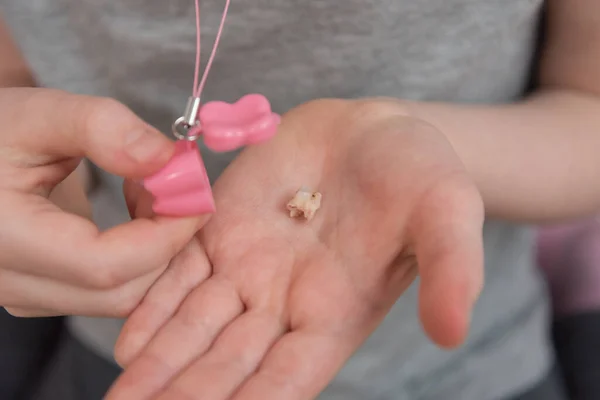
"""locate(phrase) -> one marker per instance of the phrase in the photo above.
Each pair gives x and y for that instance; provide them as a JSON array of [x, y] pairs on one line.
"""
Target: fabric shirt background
[[141, 52]]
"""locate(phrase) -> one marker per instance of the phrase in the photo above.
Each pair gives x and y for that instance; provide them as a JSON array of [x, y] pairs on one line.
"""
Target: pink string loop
[[198, 88]]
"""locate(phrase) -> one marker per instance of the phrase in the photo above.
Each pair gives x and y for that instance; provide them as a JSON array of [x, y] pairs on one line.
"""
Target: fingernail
[[144, 145]]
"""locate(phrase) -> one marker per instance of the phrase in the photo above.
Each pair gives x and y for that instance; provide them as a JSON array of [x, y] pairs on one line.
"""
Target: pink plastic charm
[[227, 127], [181, 188]]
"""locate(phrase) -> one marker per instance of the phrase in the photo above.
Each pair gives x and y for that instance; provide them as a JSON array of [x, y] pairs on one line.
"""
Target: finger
[[188, 335], [31, 312], [46, 125], [298, 367], [235, 355], [186, 271], [45, 241], [31, 296], [449, 250]]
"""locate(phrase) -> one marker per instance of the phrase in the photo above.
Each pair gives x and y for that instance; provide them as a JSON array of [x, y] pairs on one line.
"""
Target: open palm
[[262, 306]]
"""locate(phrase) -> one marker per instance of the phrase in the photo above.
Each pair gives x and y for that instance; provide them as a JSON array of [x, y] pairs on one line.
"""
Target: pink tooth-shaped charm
[[182, 188], [227, 127]]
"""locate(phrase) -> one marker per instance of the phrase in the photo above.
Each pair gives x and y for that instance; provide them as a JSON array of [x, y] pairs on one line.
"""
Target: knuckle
[[103, 277], [465, 197], [26, 104], [100, 111], [321, 104], [380, 115], [135, 295], [193, 312], [122, 353], [458, 193], [36, 99], [106, 107], [317, 111], [379, 106], [194, 318], [124, 302]]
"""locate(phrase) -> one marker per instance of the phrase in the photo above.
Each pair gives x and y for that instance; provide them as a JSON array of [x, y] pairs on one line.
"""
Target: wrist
[[533, 160], [464, 127]]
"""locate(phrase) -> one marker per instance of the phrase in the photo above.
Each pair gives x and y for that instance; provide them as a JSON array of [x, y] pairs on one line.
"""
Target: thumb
[[449, 251], [44, 126]]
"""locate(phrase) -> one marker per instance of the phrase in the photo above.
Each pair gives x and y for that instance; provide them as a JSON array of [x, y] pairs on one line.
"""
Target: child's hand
[[290, 300], [54, 262]]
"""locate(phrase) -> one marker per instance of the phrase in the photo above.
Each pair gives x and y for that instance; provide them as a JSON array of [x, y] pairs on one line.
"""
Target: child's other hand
[[288, 300], [56, 262]]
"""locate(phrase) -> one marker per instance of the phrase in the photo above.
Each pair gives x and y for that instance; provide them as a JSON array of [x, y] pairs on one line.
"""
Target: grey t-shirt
[[142, 52]]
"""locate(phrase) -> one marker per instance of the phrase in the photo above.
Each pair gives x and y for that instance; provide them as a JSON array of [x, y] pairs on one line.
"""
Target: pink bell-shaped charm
[[182, 188]]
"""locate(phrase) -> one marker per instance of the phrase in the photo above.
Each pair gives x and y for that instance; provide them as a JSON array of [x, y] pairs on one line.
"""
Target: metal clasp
[[182, 126]]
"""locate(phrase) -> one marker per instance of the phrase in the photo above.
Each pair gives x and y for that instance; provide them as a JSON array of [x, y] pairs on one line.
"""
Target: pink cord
[[197, 68], [199, 87]]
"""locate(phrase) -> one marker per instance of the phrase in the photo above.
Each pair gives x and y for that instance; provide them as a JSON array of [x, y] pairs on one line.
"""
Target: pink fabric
[[569, 256]]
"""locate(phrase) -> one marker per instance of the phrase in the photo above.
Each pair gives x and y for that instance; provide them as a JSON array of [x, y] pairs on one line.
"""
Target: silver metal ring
[[181, 130]]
